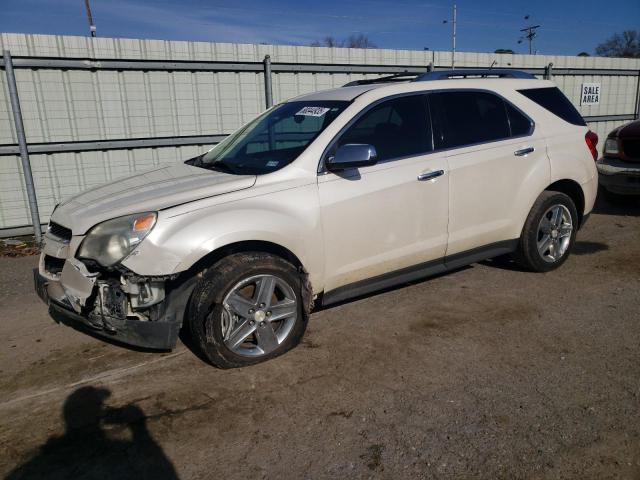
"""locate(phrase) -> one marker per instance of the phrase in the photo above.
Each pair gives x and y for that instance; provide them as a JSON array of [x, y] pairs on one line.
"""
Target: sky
[[567, 26]]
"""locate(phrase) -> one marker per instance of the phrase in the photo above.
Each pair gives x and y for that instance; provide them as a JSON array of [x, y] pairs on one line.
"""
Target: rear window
[[467, 118], [552, 99]]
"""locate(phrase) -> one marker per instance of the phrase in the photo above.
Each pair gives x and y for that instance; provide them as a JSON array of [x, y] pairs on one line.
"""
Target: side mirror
[[352, 155]]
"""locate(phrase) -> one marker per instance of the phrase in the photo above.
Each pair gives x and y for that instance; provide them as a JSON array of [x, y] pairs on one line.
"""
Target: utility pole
[[454, 22], [92, 26], [529, 34]]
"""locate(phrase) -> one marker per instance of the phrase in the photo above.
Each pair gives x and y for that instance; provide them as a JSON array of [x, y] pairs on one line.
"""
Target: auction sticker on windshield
[[313, 111]]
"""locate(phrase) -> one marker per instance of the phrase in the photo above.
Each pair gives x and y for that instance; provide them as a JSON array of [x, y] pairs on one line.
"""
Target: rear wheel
[[548, 234], [248, 308]]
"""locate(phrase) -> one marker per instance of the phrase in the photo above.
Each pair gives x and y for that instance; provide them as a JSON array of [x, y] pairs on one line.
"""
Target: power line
[[530, 34]]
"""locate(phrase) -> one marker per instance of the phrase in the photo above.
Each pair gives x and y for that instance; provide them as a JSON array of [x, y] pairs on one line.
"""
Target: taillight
[[592, 142]]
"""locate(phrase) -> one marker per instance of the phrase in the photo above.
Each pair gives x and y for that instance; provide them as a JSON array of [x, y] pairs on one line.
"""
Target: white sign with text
[[590, 94]]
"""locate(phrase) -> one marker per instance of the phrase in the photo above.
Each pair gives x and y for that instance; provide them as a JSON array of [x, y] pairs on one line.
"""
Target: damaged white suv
[[323, 198]]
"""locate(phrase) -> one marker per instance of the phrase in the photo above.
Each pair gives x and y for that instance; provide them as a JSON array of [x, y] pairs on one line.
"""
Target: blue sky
[[568, 26]]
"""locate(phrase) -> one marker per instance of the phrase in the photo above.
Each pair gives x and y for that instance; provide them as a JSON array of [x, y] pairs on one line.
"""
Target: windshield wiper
[[221, 166]]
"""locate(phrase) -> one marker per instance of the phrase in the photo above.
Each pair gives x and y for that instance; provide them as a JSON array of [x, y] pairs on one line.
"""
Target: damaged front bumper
[[137, 311]]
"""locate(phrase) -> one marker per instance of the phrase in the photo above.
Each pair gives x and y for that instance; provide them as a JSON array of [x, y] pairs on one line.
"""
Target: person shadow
[[92, 446]]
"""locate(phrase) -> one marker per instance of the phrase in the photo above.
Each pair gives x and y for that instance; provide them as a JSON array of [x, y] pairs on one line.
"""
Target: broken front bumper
[[160, 334]]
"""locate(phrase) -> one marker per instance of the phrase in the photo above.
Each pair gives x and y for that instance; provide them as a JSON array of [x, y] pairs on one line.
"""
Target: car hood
[[144, 192]]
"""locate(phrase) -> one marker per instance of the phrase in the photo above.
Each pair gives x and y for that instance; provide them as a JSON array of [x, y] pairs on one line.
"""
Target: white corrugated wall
[[76, 105]]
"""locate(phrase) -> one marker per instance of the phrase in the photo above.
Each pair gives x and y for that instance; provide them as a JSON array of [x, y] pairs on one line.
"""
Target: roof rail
[[473, 72], [398, 77]]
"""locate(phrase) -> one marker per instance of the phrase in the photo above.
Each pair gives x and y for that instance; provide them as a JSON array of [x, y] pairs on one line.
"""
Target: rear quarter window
[[553, 100]]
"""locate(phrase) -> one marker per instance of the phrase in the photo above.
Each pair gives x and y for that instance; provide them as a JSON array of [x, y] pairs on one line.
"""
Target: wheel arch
[[573, 190], [195, 271], [247, 246]]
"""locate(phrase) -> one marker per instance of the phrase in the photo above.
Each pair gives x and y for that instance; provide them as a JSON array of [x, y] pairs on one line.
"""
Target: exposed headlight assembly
[[109, 242]]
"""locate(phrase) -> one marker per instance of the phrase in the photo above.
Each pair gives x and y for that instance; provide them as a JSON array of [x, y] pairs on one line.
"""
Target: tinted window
[[554, 100], [397, 128], [518, 123], [465, 118]]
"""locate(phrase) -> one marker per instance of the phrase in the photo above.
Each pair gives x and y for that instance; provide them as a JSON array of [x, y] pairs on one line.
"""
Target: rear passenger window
[[468, 118], [554, 100], [396, 128]]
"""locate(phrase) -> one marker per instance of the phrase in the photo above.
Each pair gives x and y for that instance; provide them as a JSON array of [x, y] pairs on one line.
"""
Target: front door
[[392, 215]]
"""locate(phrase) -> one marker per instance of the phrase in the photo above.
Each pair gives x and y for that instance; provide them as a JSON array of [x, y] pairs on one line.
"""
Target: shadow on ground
[[98, 443], [588, 248], [607, 204]]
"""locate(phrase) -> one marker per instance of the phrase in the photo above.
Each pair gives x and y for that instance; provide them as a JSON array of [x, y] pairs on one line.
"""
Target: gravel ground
[[486, 372]]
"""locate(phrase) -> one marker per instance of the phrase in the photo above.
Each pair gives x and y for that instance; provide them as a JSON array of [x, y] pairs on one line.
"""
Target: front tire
[[248, 308], [548, 234]]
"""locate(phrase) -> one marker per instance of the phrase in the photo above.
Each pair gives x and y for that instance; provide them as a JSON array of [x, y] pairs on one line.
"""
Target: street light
[[453, 36]]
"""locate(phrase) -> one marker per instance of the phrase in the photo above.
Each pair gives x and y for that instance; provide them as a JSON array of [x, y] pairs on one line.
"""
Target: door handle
[[524, 151], [430, 175]]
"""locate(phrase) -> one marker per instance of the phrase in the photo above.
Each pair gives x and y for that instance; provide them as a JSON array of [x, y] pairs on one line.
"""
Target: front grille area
[[53, 265], [59, 231], [631, 148]]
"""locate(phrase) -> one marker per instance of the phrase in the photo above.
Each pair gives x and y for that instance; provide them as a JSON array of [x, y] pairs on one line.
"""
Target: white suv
[[319, 199]]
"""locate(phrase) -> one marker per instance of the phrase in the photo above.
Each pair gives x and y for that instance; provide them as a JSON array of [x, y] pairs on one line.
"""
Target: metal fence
[[95, 109]]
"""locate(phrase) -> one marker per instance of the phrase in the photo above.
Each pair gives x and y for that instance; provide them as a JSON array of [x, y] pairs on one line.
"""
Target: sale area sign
[[590, 94]]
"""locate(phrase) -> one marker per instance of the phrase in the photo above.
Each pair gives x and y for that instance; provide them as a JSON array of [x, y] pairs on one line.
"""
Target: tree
[[360, 41], [504, 50], [625, 44], [353, 41], [328, 42], [583, 54]]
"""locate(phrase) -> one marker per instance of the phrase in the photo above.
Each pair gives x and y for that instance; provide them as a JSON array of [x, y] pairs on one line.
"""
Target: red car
[[619, 167]]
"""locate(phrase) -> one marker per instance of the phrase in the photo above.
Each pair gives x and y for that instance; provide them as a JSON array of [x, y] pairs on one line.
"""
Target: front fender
[[289, 218]]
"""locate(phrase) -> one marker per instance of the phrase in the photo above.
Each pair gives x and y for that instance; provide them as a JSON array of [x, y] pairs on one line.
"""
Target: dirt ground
[[486, 372]]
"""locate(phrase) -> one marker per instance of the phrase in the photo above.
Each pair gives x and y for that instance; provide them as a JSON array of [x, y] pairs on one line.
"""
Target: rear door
[[497, 166]]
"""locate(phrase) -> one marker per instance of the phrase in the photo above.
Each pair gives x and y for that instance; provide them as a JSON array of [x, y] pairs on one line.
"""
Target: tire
[[229, 302], [544, 259]]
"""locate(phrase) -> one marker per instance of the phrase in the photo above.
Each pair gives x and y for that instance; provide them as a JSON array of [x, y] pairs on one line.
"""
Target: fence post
[[268, 92], [548, 72], [637, 112], [22, 143]]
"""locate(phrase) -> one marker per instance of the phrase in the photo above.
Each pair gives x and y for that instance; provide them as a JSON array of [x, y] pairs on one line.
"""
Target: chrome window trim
[[323, 171]]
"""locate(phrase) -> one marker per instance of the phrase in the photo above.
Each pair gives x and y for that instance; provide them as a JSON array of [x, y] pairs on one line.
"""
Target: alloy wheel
[[554, 233], [258, 314]]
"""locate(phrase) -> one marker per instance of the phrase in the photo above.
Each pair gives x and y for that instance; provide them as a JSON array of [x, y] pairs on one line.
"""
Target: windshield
[[272, 140]]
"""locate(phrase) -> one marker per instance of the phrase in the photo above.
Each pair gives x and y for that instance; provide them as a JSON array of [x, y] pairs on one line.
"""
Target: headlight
[[109, 242], [611, 147]]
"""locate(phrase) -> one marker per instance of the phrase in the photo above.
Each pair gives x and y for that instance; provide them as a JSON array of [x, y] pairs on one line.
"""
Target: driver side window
[[397, 128]]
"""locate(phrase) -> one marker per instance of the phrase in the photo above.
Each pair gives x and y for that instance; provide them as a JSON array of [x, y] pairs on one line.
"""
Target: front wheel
[[548, 234], [248, 308]]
